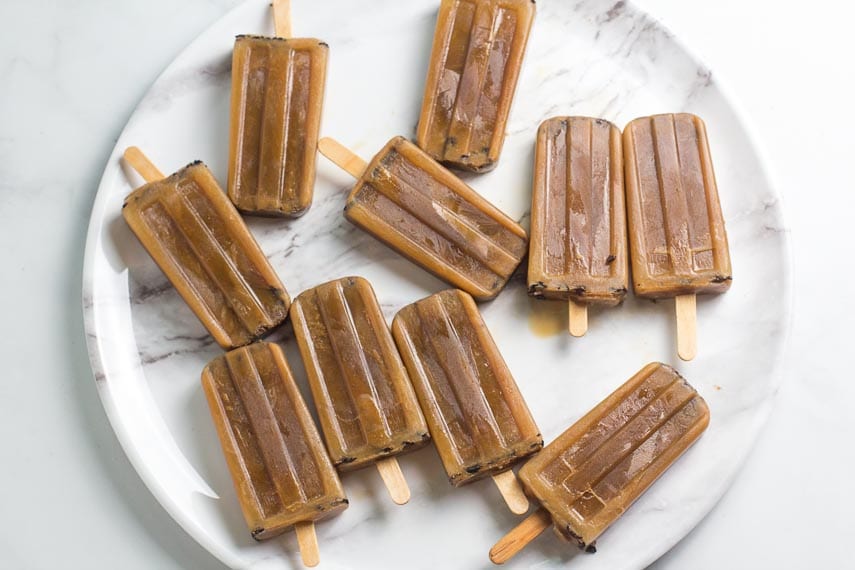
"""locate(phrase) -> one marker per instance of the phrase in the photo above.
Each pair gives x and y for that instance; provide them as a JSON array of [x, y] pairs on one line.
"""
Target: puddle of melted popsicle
[[547, 318]]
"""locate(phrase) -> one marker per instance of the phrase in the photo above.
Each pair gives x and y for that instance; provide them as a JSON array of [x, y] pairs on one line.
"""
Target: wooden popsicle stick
[[308, 542], [577, 315], [519, 536], [687, 326], [341, 155], [391, 474], [511, 491], [140, 162], [282, 18]]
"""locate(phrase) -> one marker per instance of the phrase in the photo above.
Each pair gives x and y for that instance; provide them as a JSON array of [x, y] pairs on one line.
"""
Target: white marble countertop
[[70, 74]]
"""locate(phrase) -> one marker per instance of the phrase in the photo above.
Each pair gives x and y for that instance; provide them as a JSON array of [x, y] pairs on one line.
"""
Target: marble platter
[[590, 57]]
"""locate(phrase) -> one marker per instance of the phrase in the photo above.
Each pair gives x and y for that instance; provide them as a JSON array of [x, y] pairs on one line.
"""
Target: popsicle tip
[[496, 556], [577, 318], [686, 355]]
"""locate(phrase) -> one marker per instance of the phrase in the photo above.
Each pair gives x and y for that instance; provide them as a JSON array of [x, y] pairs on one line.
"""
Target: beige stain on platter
[[547, 318]]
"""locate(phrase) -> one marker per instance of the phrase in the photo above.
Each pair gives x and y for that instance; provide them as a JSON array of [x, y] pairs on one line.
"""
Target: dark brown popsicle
[[366, 404], [677, 239], [414, 205], [198, 239], [593, 472], [677, 236], [477, 55], [276, 105], [578, 245], [477, 416], [282, 473]]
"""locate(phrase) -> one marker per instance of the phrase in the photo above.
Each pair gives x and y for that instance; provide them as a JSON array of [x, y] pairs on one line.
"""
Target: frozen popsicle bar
[[476, 414], [366, 404], [478, 49], [578, 249], [198, 239], [282, 473], [677, 239], [595, 470], [676, 228], [414, 205], [277, 99]]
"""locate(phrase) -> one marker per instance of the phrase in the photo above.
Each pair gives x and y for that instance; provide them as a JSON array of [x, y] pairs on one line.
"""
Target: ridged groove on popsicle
[[469, 89], [274, 149], [477, 416], [366, 405], [430, 216], [578, 237], [203, 246], [677, 236], [589, 475], [280, 469]]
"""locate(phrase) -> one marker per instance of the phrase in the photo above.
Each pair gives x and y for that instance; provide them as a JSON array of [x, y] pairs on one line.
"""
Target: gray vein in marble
[[187, 81]]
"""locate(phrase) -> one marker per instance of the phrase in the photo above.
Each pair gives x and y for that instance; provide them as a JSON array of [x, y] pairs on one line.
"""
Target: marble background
[[52, 149]]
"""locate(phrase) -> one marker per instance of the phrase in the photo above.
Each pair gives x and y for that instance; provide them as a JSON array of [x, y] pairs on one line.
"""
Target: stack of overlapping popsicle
[[601, 203]]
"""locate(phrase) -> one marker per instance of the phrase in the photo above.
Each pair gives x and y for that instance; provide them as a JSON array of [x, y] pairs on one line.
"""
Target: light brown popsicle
[[591, 474], [420, 209], [677, 237], [276, 106], [477, 416], [282, 473], [477, 54], [578, 250], [367, 409], [198, 239]]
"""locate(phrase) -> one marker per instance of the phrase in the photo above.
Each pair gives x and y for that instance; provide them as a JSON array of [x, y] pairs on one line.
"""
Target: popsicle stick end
[[393, 478], [141, 163], [517, 539], [342, 156], [577, 318]]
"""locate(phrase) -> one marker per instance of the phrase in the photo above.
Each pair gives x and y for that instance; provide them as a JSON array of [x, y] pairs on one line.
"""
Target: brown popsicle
[[276, 106], [282, 473], [367, 409], [477, 54], [420, 209], [578, 249], [677, 237], [198, 239], [477, 416], [591, 474]]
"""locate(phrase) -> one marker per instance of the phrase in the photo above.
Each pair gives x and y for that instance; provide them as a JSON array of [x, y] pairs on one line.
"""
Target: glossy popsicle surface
[[578, 222], [477, 416], [677, 235], [365, 402], [198, 239], [276, 105], [281, 471], [595, 470], [475, 63], [417, 207]]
